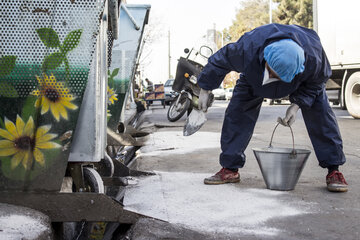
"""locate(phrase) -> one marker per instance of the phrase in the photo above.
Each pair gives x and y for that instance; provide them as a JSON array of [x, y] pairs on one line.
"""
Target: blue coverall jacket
[[307, 89]]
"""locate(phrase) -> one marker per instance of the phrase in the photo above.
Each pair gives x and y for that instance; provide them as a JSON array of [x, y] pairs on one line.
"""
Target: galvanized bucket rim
[[279, 150]]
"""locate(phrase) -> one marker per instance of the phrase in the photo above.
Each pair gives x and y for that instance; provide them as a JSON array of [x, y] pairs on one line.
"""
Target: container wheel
[[352, 95], [83, 230], [106, 166], [93, 181]]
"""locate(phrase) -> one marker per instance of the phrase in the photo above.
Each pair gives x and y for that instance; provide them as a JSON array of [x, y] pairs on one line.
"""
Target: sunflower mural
[[114, 108], [53, 96], [44, 71], [111, 95], [111, 99], [27, 147], [23, 144]]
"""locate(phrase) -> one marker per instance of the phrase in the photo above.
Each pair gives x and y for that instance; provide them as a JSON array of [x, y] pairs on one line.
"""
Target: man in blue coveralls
[[274, 61]]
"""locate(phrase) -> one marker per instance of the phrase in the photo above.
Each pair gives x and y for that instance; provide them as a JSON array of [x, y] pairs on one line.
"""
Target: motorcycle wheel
[[176, 112]]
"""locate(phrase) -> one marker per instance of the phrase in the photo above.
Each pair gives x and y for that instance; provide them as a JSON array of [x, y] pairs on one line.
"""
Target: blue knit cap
[[286, 58]]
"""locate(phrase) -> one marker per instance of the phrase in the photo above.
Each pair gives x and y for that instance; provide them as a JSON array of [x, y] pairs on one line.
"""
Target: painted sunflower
[[24, 144], [112, 96], [55, 96]]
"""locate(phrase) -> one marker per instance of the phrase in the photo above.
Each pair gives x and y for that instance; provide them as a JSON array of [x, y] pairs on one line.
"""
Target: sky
[[187, 21]]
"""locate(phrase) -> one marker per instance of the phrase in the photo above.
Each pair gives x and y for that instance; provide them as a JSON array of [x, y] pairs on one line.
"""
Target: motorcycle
[[185, 83]]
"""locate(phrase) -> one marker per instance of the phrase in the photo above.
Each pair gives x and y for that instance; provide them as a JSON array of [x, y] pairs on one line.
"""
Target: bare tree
[[153, 32]]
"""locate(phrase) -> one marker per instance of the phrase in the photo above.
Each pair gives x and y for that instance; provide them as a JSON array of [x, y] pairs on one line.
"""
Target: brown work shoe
[[223, 176], [336, 182]]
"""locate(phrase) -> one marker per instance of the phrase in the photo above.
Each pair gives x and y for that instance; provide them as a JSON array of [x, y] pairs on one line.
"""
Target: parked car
[[229, 93], [170, 94], [219, 93]]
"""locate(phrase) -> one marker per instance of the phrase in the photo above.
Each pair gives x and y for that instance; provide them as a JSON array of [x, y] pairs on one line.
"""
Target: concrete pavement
[[245, 210], [18, 222]]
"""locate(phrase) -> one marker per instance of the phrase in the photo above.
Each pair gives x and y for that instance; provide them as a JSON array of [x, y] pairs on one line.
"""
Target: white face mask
[[268, 80]]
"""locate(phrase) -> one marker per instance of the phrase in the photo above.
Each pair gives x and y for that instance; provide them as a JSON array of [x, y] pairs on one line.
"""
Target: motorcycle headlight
[[193, 79]]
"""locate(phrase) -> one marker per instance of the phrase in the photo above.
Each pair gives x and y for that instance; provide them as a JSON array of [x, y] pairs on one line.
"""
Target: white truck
[[338, 25]]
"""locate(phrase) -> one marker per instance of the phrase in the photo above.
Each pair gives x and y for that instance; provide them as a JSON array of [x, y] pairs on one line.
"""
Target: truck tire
[[352, 95]]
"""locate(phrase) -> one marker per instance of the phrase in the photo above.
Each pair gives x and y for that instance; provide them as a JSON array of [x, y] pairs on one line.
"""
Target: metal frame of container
[[88, 145]]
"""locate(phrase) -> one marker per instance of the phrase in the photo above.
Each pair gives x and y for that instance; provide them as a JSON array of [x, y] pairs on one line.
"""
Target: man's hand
[[290, 116], [203, 99]]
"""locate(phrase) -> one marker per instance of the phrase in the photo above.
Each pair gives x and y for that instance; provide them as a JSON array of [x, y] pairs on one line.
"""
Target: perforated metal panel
[[44, 37], [110, 45], [46, 48]]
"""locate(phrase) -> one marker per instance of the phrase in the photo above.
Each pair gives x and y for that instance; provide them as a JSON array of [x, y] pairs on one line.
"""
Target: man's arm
[[229, 58], [306, 94]]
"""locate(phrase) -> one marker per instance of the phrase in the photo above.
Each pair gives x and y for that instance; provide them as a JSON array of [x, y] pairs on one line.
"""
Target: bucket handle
[[293, 152]]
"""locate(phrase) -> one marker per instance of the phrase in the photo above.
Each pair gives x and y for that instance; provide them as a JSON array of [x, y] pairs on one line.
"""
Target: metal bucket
[[281, 167]]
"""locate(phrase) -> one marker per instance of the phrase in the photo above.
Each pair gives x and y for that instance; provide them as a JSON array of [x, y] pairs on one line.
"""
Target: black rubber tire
[[172, 114], [352, 95]]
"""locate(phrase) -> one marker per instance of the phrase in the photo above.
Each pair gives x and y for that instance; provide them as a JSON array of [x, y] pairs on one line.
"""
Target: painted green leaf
[[115, 72], [71, 41], [2, 124], [7, 90], [7, 64], [29, 108], [111, 76], [52, 61], [49, 37]]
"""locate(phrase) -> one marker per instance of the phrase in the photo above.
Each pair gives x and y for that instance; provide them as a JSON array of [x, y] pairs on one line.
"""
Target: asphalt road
[[323, 215]]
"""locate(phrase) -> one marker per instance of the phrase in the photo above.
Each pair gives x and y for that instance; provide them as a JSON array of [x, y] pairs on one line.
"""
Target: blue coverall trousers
[[242, 114]]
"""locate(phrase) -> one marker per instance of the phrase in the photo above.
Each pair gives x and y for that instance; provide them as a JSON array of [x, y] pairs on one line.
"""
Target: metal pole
[[270, 11], [169, 54], [215, 38], [315, 16], [222, 39]]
